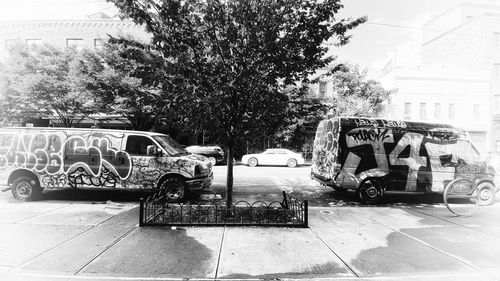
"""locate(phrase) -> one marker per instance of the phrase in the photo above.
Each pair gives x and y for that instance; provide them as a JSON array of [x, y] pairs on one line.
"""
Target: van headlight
[[201, 170], [490, 170]]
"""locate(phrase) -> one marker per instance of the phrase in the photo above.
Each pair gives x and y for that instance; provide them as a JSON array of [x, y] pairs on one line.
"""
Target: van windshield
[[171, 146]]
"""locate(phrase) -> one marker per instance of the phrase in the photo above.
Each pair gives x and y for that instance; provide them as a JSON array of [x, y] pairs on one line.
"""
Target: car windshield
[[171, 146]]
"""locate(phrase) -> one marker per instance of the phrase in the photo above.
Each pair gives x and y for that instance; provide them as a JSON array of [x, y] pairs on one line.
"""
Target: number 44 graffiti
[[376, 139]]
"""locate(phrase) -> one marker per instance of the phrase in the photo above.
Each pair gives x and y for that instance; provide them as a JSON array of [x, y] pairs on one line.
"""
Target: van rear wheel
[[370, 191], [174, 188], [26, 189]]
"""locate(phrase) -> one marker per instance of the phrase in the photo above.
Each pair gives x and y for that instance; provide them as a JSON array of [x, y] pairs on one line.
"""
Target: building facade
[[88, 33], [457, 77]]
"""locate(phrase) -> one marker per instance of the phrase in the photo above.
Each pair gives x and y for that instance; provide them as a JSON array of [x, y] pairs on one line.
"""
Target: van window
[[138, 145], [6, 140], [467, 151]]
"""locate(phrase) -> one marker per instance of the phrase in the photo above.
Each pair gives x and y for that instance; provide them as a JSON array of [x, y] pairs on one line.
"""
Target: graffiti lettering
[[54, 153], [368, 135], [413, 160]]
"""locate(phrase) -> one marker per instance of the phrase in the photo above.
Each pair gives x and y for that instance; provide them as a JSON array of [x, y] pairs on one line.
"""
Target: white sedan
[[274, 156]]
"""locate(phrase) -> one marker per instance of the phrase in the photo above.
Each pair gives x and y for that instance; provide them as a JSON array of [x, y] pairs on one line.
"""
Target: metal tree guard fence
[[290, 212]]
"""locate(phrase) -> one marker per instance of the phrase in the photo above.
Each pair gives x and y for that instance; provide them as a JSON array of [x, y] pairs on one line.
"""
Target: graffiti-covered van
[[33, 159], [377, 155]]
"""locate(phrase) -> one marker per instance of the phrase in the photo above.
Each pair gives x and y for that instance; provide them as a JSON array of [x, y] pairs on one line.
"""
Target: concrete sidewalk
[[344, 243]]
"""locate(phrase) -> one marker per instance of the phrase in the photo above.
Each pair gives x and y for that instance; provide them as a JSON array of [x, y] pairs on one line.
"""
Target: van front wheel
[[26, 189], [486, 193], [370, 192], [175, 189]]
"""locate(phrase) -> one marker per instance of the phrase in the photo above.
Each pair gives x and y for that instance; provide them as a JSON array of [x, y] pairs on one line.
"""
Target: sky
[[394, 26]]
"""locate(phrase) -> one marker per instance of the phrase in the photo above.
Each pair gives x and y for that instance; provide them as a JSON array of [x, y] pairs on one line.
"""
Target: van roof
[[359, 122], [78, 129]]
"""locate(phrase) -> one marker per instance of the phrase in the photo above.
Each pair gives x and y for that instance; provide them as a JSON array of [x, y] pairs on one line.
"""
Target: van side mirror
[[151, 150], [447, 161]]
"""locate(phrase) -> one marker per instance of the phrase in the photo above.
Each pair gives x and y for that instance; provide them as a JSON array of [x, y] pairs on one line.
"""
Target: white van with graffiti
[[33, 159], [375, 155]]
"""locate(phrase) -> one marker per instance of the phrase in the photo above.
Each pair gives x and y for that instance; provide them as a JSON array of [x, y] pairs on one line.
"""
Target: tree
[[303, 113], [355, 95], [40, 81], [125, 78], [230, 60]]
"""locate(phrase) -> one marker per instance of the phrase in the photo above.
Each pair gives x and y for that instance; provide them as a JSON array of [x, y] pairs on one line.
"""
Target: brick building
[[457, 75], [86, 33]]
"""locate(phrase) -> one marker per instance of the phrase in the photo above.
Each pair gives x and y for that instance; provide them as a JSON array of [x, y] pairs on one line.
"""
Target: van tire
[[174, 188], [252, 162], [486, 193], [370, 191], [26, 188]]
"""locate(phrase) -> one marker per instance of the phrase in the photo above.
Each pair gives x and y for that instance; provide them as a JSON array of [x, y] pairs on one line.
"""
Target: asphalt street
[[93, 235]]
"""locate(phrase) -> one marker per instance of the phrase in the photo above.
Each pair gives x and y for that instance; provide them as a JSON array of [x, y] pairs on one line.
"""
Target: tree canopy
[[124, 77], [228, 62], [354, 94], [40, 81]]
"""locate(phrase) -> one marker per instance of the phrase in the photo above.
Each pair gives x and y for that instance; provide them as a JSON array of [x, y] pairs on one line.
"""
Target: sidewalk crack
[[106, 249], [220, 252], [352, 270]]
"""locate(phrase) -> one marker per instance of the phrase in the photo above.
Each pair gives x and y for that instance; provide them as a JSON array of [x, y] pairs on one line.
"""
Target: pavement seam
[[117, 240], [454, 223], [352, 270], [220, 252], [52, 248], [43, 213], [402, 277], [430, 246]]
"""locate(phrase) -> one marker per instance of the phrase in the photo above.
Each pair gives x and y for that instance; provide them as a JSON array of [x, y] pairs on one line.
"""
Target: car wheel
[[252, 162], [370, 191], [212, 160], [26, 189], [175, 189], [291, 163], [486, 194]]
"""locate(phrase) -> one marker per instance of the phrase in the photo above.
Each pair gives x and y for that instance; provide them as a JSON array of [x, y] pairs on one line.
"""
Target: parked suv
[[214, 153]]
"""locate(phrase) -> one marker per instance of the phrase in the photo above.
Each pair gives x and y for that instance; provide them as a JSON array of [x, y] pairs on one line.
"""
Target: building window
[[451, 111], [10, 44], [477, 114], [75, 43], [496, 71], [322, 88], [496, 40], [437, 111], [496, 104], [423, 110], [407, 114], [98, 44], [497, 138], [33, 42]]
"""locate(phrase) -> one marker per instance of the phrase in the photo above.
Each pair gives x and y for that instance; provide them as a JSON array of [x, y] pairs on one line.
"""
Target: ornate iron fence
[[290, 212]]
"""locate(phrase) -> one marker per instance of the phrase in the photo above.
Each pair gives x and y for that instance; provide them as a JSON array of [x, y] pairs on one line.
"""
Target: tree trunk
[[229, 182]]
